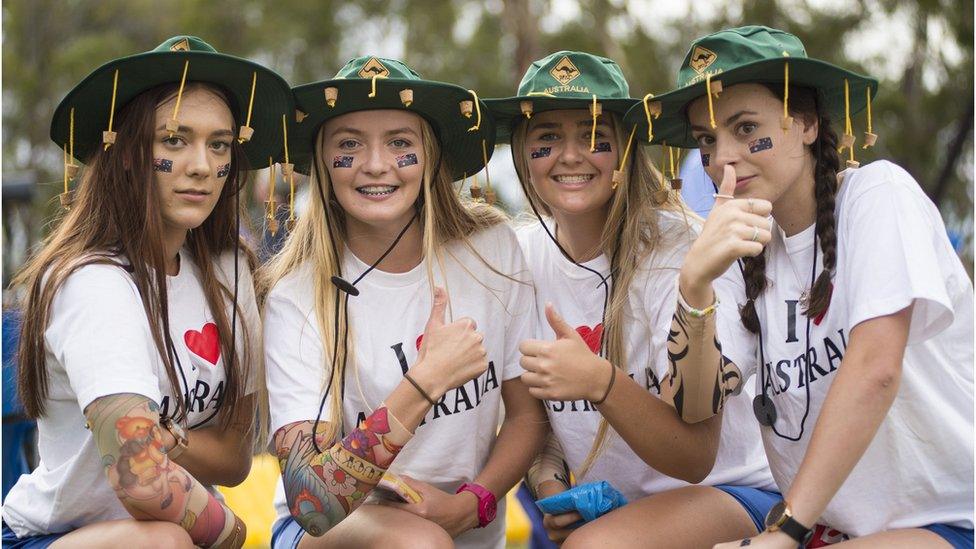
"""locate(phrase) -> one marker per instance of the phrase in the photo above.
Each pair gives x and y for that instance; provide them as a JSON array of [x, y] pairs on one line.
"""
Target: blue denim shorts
[[286, 533], [958, 538], [756, 502], [11, 541]]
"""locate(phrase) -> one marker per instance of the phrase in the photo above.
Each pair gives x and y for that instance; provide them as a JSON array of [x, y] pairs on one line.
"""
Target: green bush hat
[[259, 97], [563, 80], [461, 121], [752, 54]]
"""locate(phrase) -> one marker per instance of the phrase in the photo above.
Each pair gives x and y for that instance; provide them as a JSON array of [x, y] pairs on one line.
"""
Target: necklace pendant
[[805, 298]]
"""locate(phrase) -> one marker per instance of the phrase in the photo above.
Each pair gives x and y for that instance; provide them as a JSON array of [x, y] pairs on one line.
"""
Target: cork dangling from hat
[[70, 167], [271, 207]]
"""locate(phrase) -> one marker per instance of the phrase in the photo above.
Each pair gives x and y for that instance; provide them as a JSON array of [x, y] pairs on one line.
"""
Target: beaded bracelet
[[697, 313]]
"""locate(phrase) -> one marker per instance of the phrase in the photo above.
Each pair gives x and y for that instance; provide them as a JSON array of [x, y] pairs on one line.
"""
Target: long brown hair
[[318, 240], [115, 219], [630, 235], [804, 103]]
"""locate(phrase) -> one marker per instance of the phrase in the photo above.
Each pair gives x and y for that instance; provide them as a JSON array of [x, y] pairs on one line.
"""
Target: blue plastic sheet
[[591, 500]]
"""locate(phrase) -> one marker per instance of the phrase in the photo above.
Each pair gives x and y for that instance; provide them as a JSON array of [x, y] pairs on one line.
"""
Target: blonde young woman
[[138, 350], [392, 321], [605, 258], [850, 304]]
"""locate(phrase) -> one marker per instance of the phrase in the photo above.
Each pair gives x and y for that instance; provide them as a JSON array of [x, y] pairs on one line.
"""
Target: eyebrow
[[728, 121], [187, 129], [354, 131], [587, 122]]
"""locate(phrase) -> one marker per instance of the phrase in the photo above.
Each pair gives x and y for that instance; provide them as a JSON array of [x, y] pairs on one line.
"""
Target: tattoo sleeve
[[550, 464], [701, 378], [149, 485], [324, 488]]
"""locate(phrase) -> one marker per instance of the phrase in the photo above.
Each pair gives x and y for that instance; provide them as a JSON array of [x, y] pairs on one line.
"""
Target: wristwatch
[[179, 435], [487, 505], [780, 517]]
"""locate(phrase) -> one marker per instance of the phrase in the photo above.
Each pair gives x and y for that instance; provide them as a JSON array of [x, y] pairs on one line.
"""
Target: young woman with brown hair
[[139, 346]]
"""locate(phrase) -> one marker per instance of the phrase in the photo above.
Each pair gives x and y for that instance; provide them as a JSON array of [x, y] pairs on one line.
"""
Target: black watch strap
[[795, 530]]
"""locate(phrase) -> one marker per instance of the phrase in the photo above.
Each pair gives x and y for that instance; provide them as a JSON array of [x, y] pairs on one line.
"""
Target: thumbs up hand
[[564, 369], [450, 354], [735, 228]]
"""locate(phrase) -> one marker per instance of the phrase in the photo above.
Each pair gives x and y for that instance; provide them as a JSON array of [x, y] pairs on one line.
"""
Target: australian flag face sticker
[[162, 165], [603, 147], [405, 160], [541, 152], [760, 144], [342, 162]]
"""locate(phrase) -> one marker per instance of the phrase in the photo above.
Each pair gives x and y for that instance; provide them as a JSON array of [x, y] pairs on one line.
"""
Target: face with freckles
[[769, 163], [375, 161], [191, 165], [569, 178]]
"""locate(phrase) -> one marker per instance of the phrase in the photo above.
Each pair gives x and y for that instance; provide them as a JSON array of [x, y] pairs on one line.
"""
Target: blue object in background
[[696, 186], [540, 538], [18, 431], [591, 500]]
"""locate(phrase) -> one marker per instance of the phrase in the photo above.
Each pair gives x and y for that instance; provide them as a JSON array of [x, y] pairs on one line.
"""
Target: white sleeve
[[99, 332], [294, 367], [523, 319], [249, 319], [738, 344], [892, 239]]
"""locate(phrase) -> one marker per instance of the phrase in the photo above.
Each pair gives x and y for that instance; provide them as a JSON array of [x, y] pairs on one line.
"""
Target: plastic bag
[[591, 500]]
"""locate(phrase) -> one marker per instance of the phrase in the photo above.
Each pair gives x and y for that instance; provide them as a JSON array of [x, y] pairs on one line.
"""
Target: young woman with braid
[[603, 369], [856, 316], [139, 347], [373, 367]]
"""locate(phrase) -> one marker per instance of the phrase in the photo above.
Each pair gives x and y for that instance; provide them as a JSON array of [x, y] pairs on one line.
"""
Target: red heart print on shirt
[[205, 344], [420, 339], [592, 336]]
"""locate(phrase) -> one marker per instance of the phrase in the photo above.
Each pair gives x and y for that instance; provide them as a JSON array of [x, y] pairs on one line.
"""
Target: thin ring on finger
[[750, 203], [755, 234]]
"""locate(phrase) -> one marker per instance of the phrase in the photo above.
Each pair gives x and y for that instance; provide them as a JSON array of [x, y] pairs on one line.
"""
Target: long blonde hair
[[630, 234], [318, 239]]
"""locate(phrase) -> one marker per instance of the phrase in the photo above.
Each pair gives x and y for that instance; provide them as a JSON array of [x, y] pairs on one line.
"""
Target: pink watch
[[487, 504]]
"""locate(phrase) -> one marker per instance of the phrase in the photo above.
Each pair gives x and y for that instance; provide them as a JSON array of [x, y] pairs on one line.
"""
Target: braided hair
[[804, 102]]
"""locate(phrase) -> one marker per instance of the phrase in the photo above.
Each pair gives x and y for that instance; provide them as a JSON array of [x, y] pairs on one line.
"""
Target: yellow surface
[[253, 501]]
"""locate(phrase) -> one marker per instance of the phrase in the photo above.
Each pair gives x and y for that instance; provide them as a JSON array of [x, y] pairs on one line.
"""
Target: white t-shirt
[[892, 252], [99, 343], [578, 297], [386, 319]]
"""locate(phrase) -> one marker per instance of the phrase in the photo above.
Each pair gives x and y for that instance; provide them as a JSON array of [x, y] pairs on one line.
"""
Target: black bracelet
[[613, 376], [421, 389]]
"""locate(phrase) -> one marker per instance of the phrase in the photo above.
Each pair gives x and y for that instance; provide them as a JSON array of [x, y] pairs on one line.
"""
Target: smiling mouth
[[743, 179], [573, 179], [377, 190]]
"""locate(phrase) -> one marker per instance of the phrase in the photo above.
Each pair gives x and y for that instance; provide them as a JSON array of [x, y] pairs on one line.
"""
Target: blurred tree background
[[921, 50]]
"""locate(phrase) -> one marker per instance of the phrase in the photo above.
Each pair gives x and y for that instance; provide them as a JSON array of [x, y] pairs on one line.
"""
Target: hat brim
[[92, 98], [672, 126], [436, 102], [508, 111]]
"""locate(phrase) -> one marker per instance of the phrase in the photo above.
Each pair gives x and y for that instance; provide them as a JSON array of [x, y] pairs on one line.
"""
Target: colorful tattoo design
[[224, 170], [342, 162], [151, 487], [540, 152], [689, 350], [322, 489], [706, 159], [162, 165], [603, 147], [761, 144], [405, 160]]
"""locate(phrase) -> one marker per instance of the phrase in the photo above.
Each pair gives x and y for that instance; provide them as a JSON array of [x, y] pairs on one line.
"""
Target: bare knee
[[426, 535], [162, 535]]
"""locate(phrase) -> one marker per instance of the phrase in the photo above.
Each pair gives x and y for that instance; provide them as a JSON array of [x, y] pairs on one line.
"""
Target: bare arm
[[219, 456], [149, 485], [549, 472], [566, 369]]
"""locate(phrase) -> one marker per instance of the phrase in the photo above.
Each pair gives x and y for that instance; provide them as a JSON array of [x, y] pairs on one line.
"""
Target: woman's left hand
[[455, 513], [564, 369], [765, 540]]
